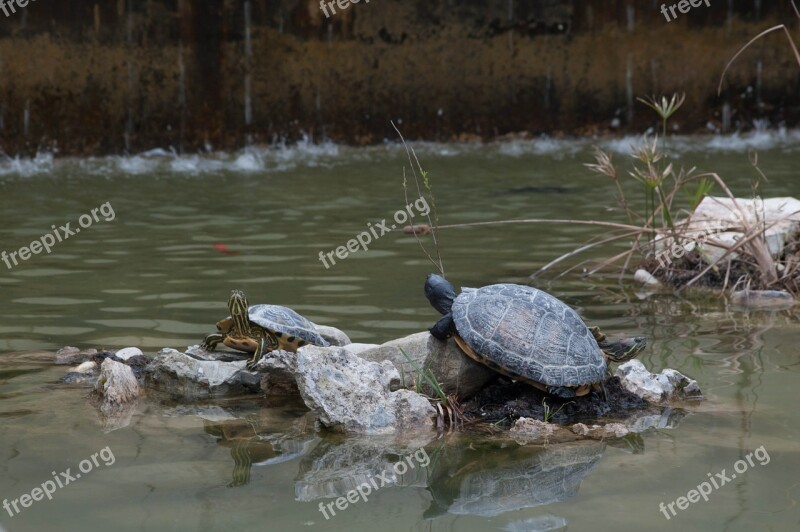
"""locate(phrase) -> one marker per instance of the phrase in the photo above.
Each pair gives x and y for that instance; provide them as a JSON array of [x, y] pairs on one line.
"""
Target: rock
[[720, 218], [90, 366], [532, 429], [646, 278], [763, 299], [116, 384], [73, 355], [456, 372], [357, 349], [179, 374], [542, 523], [276, 372], [117, 389], [601, 432], [219, 355], [353, 395], [334, 336], [129, 352], [668, 386], [74, 377]]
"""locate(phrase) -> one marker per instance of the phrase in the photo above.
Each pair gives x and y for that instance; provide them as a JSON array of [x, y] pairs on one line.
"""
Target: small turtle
[[262, 328], [528, 335]]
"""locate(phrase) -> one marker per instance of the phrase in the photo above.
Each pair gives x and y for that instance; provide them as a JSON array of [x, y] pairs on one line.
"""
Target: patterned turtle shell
[[530, 334], [284, 320]]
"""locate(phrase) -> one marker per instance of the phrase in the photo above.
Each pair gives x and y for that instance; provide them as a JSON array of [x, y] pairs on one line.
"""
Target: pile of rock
[[352, 388]]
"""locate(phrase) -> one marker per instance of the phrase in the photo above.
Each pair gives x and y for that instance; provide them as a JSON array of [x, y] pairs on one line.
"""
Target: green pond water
[[186, 230]]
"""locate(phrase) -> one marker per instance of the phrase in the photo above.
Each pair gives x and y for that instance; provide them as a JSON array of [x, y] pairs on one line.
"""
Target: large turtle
[[527, 334], [262, 328]]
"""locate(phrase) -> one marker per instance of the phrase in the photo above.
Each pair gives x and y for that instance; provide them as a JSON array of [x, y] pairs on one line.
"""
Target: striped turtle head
[[623, 350], [237, 305]]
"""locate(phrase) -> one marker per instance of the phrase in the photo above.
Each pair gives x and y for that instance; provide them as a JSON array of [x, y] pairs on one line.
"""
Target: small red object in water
[[222, 248], [422, 229]]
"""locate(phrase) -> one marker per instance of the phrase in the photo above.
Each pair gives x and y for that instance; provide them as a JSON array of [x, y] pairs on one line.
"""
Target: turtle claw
[[210, 342], [563, 392], [258, 355]]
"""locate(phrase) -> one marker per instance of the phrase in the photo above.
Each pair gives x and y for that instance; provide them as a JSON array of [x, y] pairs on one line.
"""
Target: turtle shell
[[284, 320], [529, 334]]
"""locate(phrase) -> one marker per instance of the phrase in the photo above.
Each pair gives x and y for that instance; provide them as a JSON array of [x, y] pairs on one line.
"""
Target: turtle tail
[[440, 293]]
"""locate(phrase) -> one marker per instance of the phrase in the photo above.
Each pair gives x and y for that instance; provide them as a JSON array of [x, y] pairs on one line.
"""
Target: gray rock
[[600, 432], [763, 299], [179, 374], [334, 336], [532, 429], [218, 355], [73, 355], [276, 372], [350, 394], [129, 352], [456, 372], [666, 387], [117, 384]]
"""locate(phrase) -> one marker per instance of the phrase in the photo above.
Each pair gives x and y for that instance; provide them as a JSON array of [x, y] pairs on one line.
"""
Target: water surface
[[188, 229]]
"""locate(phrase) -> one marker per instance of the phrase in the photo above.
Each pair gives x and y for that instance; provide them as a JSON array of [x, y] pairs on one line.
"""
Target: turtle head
[[237, 305], [439, 292], [624, 349]]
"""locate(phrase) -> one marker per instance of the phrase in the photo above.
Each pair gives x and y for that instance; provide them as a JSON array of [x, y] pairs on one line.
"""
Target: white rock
[[128, 352], [87, 367], [646, 278], [350, 394], [116, 384], [780, 216], [668, 386]]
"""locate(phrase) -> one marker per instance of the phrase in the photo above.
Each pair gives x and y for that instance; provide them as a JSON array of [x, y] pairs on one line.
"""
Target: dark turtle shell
[[529, 334], [284, 320]]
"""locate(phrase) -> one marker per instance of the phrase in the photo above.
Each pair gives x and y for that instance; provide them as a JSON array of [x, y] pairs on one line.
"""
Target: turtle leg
[[260, 352], [561, 391], [444, 328], [211, 341]]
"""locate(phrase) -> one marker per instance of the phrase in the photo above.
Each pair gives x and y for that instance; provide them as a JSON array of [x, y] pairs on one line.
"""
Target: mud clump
[[505, 401]]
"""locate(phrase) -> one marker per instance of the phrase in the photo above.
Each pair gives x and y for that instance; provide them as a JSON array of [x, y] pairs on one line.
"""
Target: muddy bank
[[127, 77]]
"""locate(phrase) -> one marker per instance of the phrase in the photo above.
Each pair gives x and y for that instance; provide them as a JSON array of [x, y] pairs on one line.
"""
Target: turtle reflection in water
[[493, 482], [528, 335], [250, 448]]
